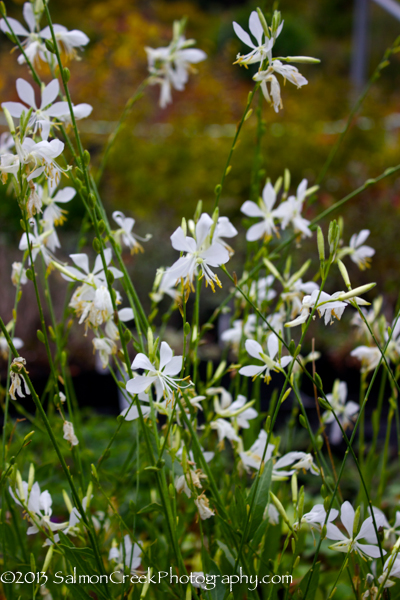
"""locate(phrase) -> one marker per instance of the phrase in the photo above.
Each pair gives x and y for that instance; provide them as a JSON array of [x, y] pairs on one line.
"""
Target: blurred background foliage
[[164, 161]]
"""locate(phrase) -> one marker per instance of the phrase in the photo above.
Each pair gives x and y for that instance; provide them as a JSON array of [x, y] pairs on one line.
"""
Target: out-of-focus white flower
[[345, 411], [69, 433], [203, 506], [290, 210], [369, 357], [127, 555], [105, 348], [6, 143], [224, 430], [4, 348], [239, 330], [18, 274], [390, 533], [360, 254], [17, 378], [264, 210], [32, 44], [261, 289], [169, 67], [263, 44], [252, 457], [125, 232], [200, 252], [191, 477], [352, 542], [256, 351], [162, 377], [391, 568], [67, 41]]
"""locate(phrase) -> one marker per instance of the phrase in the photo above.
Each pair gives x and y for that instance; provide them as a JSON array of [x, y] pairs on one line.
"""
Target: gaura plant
[[204, 498]]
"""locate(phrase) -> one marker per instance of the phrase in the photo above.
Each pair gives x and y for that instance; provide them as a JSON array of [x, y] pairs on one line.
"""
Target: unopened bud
[[344, 273], [263, 22], [9, 120], [50, 46]]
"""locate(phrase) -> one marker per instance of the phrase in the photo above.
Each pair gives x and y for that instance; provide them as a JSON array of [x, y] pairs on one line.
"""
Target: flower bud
[[321, 244], [86, 157], [50, 46], [96, 245], [3, 11], [47, 560], [9, 120], [66, 74], [263, 22], [286, 180], [344, 274]]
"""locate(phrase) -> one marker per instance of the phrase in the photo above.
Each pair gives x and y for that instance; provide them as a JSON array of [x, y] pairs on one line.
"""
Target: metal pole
[[360, 44]]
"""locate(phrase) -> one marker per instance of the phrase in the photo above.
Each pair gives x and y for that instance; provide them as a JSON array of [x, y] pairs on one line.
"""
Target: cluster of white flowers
[[261, 52]]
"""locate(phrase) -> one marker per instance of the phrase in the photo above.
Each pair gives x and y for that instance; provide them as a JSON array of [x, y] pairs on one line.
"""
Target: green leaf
[[260, 499], [312, 589]]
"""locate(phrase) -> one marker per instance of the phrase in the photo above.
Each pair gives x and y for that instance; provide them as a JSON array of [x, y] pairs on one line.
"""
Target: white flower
[[18, 274], [289, 211], [391, 568], [272, 514], [105, 348], [182, 482], [162, 377], [240, 411], [40, 117], [302, 461], [69, 433], [239, 330], [17, 367], [265, 210], [42, 156], [200, 252], [67, 41], [54, 215], [294, 292], [316, 517], [345, 412], [252, 457], [125, 232], [6, 142], [327, 306], [224, 229], [38, 505], [32, 45], [288, 72], [131, 413], [390, 533], [255, 350], [260, 51], [4, 348], [369, 357], [261, 289], [224, 430], [169, 67], [126, 554], [352, 543], [203, 506], [361, 254], [95, 278]]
